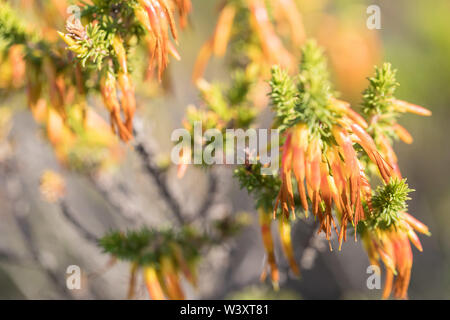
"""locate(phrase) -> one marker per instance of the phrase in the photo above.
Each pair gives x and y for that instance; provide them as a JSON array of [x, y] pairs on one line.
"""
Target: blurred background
[[38, 240]]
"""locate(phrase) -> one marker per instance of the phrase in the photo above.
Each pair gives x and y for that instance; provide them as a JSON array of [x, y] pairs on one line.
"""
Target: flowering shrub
[[336, 164]]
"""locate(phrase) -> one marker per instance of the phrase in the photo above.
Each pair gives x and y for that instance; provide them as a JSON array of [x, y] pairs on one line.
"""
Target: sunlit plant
[[337, 165]]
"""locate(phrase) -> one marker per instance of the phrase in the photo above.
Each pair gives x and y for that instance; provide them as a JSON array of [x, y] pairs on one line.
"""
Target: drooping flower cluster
[[319, 152], [389, 229], [257, 34], [387, 233], [150, 20], [330, 153], [157, 17], [56, 95], [58, 85], [263, 44], [284, 228], [165, 256], [329, 157], [382, 109]]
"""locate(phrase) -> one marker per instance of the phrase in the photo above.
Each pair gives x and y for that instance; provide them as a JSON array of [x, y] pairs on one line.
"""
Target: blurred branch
[[158, 176], [211, 194], [11, 168], [118, 202], [9, 256], [89, 236], [30, 243]]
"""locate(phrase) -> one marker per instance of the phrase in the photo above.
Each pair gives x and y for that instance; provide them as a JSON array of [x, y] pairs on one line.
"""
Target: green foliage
[[230, 104], [262, 187], [242, 39], [223, 108], [377, 102], [146, 246], [12, 29], [104, 20], [284, 97], [306, 100], [114, 16], [388, 202], [94, 47], [381, 90]]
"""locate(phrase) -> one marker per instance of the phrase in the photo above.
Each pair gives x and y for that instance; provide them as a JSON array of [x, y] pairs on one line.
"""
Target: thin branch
[[89, 236], [159, 177], [212, 190], [118, 206], [25, 229], [9, 256]]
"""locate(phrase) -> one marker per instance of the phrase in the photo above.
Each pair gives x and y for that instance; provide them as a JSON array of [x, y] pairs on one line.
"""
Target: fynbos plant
[[331, 158], [336, 164]]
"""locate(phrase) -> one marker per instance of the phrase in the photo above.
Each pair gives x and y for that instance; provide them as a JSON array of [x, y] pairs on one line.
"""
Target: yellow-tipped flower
[[153, 285]]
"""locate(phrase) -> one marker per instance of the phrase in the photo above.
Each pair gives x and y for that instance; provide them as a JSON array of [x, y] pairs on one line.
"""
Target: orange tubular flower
[[392, 246], [345, 108], [366, 141], [289, 13], [332, 173], [286, 194], [381, 139], [223, 30], [218, 43], [128, 99], [416, 224], [326, 193], [300, 137], [330, 150], [286, 243], [157, 18], [313, 159], [153, 285], [171, 279], [265, 222], [125, 84], [59, 135], [184, 8], [55, 86], [108, 91], [133, 275], [271, 44], [271, 49], [403, 106], [120, 53], [387, 150], [403, 134], [350, 184], [184, 266]]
